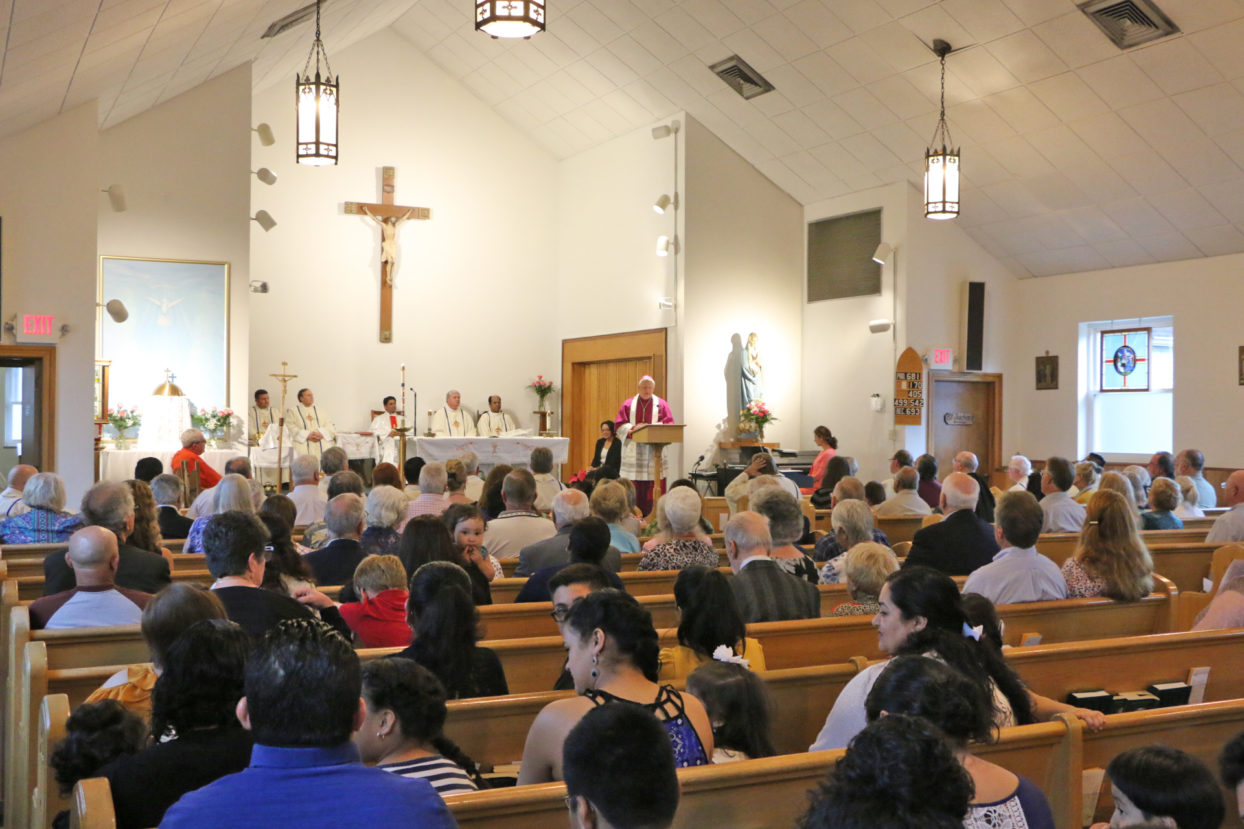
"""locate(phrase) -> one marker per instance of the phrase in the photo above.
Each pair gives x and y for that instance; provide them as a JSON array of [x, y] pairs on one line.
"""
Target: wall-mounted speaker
[[974, 327]]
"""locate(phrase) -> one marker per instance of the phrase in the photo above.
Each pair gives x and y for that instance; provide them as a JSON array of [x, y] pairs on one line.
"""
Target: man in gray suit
[[764, 592], [569, 506]]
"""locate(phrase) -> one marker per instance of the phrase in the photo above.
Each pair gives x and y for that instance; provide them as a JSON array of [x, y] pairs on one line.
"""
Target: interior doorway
[[27, 401], [965, 413], [598, 373]]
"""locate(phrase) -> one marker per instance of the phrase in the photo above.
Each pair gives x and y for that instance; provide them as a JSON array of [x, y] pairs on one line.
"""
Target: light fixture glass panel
[[509, 18]]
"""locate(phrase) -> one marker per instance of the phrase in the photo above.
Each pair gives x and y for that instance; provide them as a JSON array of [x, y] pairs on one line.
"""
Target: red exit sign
[[941, 358], [37, 328]]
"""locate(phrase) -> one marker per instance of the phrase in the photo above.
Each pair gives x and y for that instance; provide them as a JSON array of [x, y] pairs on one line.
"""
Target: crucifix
[[284, 377], [388, 216]]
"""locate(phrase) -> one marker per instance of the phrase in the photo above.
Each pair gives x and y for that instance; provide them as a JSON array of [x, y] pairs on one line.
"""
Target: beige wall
[[48, 202]]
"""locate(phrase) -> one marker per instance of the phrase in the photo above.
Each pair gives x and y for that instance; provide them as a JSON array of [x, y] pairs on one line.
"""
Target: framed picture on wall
[[178, 320], [1047, 373]]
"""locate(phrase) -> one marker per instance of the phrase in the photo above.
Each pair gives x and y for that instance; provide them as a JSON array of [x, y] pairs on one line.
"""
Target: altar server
[[312, 432], [495, 422], [384, 427], [451, 420], [637, 458]]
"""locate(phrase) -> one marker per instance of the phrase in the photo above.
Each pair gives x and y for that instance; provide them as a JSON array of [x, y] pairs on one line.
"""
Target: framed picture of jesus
[[178, 320]]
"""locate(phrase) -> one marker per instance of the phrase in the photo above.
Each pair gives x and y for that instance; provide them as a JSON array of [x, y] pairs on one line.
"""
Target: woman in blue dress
[[613, 656]]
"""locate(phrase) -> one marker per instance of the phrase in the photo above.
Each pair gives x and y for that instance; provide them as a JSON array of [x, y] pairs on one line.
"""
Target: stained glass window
[[1125, 360]]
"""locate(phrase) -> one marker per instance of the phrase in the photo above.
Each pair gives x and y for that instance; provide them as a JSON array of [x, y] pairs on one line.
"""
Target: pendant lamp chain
[[317, 103], [941, 159]]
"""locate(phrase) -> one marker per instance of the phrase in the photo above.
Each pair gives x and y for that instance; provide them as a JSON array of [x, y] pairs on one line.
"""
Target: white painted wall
[[744, 273], [1203, 295], [48, 201], [185, 170], [474, 301]]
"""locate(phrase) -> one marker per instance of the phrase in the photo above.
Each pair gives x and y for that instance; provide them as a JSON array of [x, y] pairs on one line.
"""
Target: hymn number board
[[908, 389]]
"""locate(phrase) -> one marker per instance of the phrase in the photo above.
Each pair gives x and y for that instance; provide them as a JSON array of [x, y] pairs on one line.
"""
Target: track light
[[265, 134], [667, 245], [116, 309], [879, 326], [882, 254], [265, 175], [265, 220], [116, 197], [666, 303], [662, 204], [666, 130]]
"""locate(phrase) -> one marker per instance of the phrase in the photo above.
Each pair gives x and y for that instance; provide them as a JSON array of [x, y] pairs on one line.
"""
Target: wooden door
[[28, 398], [965, 414], [598, 373]]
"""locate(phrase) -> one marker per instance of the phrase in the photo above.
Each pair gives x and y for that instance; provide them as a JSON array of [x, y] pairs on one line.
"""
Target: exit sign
[[36, 328], [942, 359]]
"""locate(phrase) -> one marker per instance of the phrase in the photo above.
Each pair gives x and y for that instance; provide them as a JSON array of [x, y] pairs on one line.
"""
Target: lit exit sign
[[942, 359], [36, 328]]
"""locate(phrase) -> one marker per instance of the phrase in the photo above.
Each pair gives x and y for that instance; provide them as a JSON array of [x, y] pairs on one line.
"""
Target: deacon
[[312, 432], [452, 421], [637, 458], [384, 427], [262, 415], [495, 422]]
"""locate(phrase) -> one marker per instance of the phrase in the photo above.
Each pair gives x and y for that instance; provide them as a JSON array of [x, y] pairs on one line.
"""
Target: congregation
[[266, 680]]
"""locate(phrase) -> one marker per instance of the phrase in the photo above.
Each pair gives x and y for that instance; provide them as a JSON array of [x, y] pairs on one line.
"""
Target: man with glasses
[[193, 445]]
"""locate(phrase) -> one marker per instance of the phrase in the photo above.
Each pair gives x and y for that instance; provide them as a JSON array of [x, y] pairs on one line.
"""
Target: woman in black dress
[[608, 451]]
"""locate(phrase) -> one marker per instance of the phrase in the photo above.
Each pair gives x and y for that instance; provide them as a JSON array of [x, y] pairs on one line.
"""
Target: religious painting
[[1047, 373], [178, 320], [1125, 360]]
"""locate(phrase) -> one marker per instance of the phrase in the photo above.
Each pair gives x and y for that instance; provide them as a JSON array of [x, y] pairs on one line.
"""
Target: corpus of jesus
[[622, 414]]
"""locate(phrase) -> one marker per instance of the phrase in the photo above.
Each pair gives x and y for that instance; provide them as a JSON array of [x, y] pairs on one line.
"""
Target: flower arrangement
[[215, 420], [755, 417], [122, 419], [543, 388]]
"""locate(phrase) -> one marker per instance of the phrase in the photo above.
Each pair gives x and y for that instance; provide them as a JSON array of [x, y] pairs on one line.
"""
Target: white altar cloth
[[118, 464], [490, 451]]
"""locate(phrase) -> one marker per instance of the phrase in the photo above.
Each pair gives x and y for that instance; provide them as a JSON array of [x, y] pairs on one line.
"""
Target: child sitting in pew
[[1163, 785], [95, 734], [738, 707]]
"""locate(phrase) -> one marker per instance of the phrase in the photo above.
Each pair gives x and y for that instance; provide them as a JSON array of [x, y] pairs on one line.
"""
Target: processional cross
[[283, 378], [389, 216]]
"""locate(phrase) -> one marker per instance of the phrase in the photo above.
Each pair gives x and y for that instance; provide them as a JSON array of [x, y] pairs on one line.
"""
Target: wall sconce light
[[666, 130], [265, 175], [879, 326], [666, 303], [265, 220], [116, 198], [116, 309], [265, 134], [665, 202], [667, 245], [258, 287], [882, 254]]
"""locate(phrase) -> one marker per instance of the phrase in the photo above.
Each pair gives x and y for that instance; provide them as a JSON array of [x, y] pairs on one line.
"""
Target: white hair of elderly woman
[[1020, 465], [45, 491], [233, 494], [385, 506], [855, 520], [682, 509]]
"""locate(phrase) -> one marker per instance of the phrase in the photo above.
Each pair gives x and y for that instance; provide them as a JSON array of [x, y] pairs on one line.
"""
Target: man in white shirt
[[547, 485], [518, 525], [1230, 525], [495, 422], [384, 427], [761, 464], [1191, 462], [11, 503], [1062, 513], [900, 459], [474, 484], [306, 493], [313, 432], [1018, 573], [1018, 471], [96, 601], [451, 420], [905, 501]]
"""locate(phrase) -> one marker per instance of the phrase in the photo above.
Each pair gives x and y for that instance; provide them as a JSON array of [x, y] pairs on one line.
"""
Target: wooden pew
[[32, 568], [30, 588], [92, 805], [46, 800], [515, 621], [900, 527]]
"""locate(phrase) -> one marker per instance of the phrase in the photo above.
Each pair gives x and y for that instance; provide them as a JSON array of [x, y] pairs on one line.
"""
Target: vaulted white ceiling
[[1076, 156]]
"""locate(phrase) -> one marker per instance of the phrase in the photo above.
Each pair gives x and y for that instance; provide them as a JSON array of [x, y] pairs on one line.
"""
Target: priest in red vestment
[[637, 458]]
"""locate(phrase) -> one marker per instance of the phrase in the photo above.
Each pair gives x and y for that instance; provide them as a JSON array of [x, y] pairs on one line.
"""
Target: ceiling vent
[[290, 20], [1129, 22], [741, 77]]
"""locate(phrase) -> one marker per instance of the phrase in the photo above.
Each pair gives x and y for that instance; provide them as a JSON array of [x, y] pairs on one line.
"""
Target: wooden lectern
[[658, 436]]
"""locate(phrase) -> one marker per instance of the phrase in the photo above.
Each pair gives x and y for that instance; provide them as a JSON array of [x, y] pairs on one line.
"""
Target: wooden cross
[[388, 215]]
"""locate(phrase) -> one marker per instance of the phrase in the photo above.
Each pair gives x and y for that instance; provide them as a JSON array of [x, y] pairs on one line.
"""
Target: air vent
[[741, 77], [1129, 22], [290, 20]]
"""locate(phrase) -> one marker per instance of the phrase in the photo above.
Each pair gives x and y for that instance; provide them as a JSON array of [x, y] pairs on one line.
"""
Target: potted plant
[[121, 420]]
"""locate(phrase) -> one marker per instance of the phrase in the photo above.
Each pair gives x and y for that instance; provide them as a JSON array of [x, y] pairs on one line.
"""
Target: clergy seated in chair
[[96, 601], [303, 686], [193, 445], [110, 505]]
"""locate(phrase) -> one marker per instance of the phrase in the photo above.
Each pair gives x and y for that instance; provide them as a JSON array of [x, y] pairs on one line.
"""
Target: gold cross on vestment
[[388, 216]]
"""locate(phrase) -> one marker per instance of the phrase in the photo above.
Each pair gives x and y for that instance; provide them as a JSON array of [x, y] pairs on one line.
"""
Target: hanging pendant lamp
[[509, 18], [317, 103], [941, 161]]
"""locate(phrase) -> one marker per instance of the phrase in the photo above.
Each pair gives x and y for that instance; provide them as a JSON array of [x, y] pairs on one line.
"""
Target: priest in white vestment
[[451, 420], [637, 458], [384, 427], [312, 431], [495, 422], [261, 416]]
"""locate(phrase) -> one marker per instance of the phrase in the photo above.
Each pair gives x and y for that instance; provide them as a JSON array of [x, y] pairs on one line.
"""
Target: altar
[[118, 464], [514, 451]]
